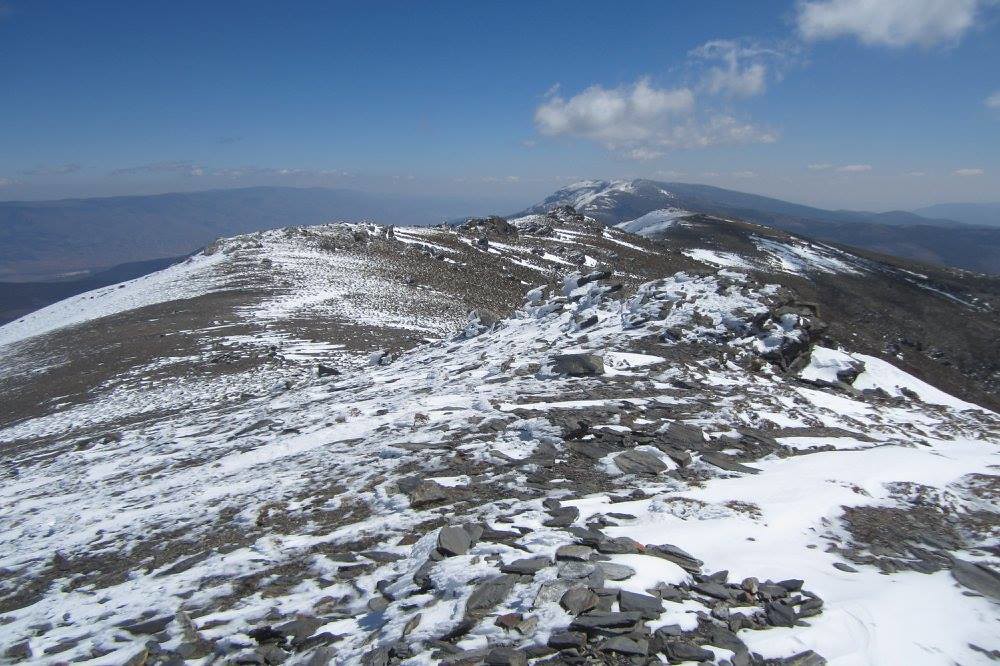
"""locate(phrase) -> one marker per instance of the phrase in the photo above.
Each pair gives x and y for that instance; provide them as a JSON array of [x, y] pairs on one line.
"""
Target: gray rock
[[487, 594], [649, 607], [780, 614], [574, 552], [844, 567], [626, 645], [674, 554], [506, 656], [453, 540], [594, 621], [977, 577], [681, 651], [807, 658], [526, 566], [552, 591], [728, 463], [614, 571], [715, 590], [578, 365], [639, 462], [578, 600], [562, 517], [565, 640], [619, 546]]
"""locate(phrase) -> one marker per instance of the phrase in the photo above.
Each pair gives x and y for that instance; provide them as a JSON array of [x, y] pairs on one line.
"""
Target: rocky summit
[[507, 441]]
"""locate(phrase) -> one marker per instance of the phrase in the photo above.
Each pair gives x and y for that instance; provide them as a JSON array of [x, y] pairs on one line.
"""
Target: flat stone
[[592, 621], [807, 658], [487, 594], [844, 567], [564, 640], [576, 570], [626, 645], [674, 554], [527, 566], [977, 577], [639, 462], [552, 591], [453, 540], [574, 552], [681, 651], [620, 546], [578, 600], [614, 571], [649, 607], [722, 461]]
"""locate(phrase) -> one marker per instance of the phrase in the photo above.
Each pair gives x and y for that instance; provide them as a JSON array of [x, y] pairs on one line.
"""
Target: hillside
[[536, 439]]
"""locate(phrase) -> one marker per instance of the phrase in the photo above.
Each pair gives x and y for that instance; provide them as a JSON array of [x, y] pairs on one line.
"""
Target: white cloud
[[993, 101], [742, 73], [893, 23], [744, 174], [820, 167], [968, 172], [617, 115], [854, 168], [4, 182], [642, 121]]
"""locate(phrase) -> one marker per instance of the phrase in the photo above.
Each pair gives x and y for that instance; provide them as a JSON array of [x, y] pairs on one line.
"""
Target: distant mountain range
[[48, 240], [43, 240], [944, 242], [985, 214]]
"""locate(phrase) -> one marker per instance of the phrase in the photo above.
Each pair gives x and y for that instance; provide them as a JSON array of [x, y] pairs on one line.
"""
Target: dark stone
[[506, 656], [639, 462], [565, 640], [626, 645], [676, 555], [715, 590], [326, 371], [807, 658], [487, 594], [148, 627], [649, 607], [562, 517], [844, 567], [681, 651], [594, 621], [780, 614], [722, 461], [578, 365], [527, 566], [265, 635]]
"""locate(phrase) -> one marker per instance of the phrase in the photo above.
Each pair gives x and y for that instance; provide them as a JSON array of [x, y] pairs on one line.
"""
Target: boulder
[[578, 365]]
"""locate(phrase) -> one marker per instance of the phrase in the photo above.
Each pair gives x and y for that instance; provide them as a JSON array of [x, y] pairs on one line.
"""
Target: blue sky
[[840, 103]]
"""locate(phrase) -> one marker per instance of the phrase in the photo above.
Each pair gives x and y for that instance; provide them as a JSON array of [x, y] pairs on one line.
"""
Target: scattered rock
[[453, 540], [578, 365]]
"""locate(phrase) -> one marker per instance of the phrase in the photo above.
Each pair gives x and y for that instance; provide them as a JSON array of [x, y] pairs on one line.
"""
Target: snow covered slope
[[642, 459]]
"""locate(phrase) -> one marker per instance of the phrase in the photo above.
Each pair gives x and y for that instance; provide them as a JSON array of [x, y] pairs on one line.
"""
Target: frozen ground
[[611, 474]]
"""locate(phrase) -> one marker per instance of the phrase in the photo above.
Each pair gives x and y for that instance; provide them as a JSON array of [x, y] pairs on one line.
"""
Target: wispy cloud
[[968, 172], [892, 23], [845, 168], [175, 167], [744, 174], [743, 67], [57, 170], [993, 101], [854, 168]]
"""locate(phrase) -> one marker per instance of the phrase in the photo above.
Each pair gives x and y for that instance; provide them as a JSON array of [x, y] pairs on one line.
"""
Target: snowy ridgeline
[[593, 478]]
